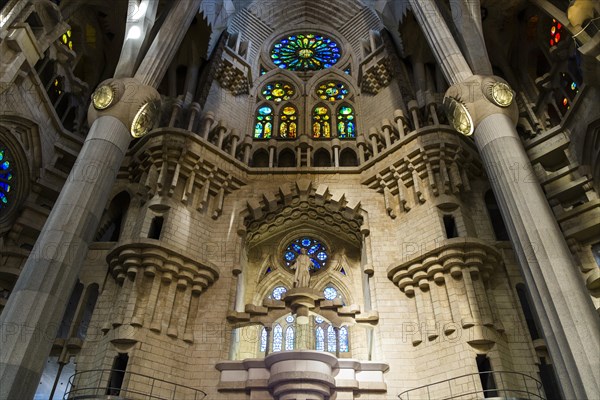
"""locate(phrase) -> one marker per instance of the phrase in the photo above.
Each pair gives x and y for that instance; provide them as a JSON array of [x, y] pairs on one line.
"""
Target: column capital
[[469, 102], [136, 105]]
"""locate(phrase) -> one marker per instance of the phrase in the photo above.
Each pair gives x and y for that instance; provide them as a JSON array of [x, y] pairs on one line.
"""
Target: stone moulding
[[152, 257], [289, 373], [450, 287]]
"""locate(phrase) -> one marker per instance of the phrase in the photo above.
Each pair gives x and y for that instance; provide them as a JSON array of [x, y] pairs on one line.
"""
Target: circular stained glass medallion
[[278, 292], [330, 293], [305, 52], [315, 250]]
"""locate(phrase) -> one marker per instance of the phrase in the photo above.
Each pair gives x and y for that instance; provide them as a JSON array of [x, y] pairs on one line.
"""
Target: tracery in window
[[332, 91], [288, 122], [6, 178], [305, 52], [331, 339], [278, 91], [346, 123], [289, 338], [330, 293], [321, 122], [264, 123], [66, 39], [278, 293], [263, 340], [277, 337], [319, 339], [315, 250], [343, 339]]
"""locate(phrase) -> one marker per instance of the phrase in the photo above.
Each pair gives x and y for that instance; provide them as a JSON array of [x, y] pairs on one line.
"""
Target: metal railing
[[506, 384], [120, 384]]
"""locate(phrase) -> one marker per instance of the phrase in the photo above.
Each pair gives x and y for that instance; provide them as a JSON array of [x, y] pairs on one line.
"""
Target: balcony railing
[[125, 385], [513, 385]]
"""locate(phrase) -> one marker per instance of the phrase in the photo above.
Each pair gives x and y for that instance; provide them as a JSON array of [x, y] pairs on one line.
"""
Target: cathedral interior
[[299, 199]]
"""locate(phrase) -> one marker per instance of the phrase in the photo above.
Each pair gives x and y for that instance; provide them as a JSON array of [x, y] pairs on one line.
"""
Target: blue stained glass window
[[315, 250], [343, 339], [346, 123], [330, 293], [6, 178], [277, 337], [331, 339], [278, 292], [305, 52], [289, 338], [263, 340], [319, 319], [320, 339], [263, 127]]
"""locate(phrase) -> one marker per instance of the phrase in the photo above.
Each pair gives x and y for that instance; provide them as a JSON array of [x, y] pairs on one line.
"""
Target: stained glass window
[[6, 178], [263, 340], [289, 319], [343, 339], [278, 91], [321, 122], [319, 319], [289, 338], [288, 122], [264, 123], [278, 292], [331, 339], [305, 52], [332, 91], [66, 39], [556, 31], [277, 337], [315, 250], [346, 123], [319, 339], [330, 293]]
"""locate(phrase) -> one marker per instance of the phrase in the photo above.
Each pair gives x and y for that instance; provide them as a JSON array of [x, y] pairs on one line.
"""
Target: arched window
[[331, 339], [287, 158], [278, 91], [348, 158], [343, 339], [260, 158], [277, 337], [332, 91], [322, 158], [289, 338], [288, 122], [346, 123], [319, 339], [264, 123], [6, 178], [263, 340], [321, 122]]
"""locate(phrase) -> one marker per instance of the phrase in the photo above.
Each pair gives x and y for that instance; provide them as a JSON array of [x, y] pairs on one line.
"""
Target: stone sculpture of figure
[[302, 275]]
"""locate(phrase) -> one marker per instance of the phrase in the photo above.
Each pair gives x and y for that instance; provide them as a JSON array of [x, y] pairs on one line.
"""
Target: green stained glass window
[[346, 122], [305, 52], [278, 91], [263, 126], [6, 178], [321, 123], [332, 91], [288, 122]]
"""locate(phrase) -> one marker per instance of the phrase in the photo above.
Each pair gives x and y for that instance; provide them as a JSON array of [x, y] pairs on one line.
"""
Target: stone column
[[569, 321], [28, 321]]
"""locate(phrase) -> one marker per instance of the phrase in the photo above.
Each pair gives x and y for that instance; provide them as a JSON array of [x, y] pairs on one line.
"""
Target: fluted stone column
[[28, 323], [569, 321]]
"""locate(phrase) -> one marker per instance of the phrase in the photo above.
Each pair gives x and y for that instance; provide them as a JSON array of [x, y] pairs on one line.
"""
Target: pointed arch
[[277, 337], [345, 122], [263, 122], [289, 338], [288, 122], [319, 339], [322, 158], [286, 159], [348, 158], [321, 122], [260, 159]]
